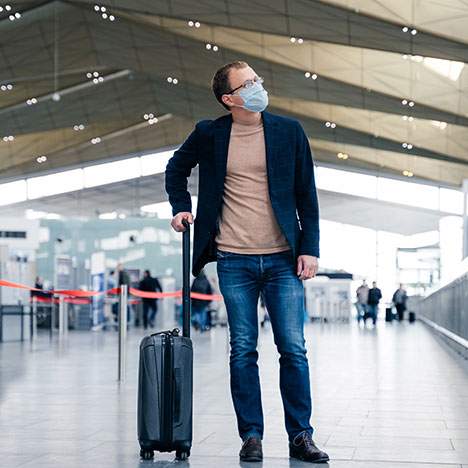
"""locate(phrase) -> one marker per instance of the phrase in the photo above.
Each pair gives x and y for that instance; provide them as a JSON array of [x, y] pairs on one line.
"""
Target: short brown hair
[[220, 82]]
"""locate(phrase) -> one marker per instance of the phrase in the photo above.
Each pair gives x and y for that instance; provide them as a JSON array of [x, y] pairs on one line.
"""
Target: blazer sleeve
[[178, 169], [306, 196]]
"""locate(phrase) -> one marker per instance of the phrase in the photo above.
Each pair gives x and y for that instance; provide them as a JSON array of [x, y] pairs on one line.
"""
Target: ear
[[226, 98]]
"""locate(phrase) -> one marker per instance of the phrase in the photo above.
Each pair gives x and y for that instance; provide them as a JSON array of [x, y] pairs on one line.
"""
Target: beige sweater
[[247, 222]]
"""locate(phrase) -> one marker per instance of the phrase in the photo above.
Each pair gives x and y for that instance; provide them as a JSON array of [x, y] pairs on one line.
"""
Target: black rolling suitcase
[[388, 314], [165, 381]]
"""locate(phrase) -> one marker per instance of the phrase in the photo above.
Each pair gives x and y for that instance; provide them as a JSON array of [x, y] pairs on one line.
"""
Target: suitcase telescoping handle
[[186, 279]]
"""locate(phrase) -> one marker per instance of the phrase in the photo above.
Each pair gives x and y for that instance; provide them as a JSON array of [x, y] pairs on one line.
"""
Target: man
[[373, 302], [256, 184], [362, 294], [200, 306], [150, 305], [399, 299], [124, 278]]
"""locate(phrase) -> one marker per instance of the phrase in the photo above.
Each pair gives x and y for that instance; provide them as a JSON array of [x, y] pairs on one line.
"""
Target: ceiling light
[[89, 75], [7, 7], [104, 15], [12, 17], [31, 101], [100, 79], [96, 140], [414, 32], [333, 125], [111, 17], [95, 73], [41, 159], [148, 116], [407, 173], [190, 23], [411, 103], [307, 74], [103, 9], [175, 81], [169, 79], [197, 24], [208, 46], [327, 124], [96, 7], [293, 39], [18, 15], [153, 120], [300, 40], [441, 125], [342, 155], [78, 127], [215, 48], [314, 76], [405, 29], [404, 102], [8, 138]]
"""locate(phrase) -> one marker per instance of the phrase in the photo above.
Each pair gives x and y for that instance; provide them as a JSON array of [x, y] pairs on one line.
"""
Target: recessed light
[[208, 46]]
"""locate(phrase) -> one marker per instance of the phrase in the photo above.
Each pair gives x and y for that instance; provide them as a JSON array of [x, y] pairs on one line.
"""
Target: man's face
[[374, 284], [237, 77]]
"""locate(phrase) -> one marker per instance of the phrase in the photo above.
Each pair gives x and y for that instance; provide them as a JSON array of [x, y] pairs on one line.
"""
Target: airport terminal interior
[[95, 99]]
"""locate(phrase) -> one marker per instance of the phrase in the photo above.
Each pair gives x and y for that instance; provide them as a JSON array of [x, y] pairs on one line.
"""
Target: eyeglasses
[[247, 84]]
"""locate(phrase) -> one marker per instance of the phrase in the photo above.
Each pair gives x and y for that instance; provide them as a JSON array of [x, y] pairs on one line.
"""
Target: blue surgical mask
[[255, 98]]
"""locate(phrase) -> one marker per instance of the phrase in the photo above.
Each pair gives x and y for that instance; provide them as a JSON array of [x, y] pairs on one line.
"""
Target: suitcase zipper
[[168, 396]]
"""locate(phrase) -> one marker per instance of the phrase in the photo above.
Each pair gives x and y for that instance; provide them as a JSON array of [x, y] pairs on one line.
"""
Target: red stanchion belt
[[78, 293]]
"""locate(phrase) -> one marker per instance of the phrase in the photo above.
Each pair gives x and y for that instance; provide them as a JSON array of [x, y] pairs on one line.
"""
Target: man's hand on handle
[[307, 266], [176, 222]]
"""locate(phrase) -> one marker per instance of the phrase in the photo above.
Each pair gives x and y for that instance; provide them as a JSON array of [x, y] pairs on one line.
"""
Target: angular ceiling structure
[[77, 78]]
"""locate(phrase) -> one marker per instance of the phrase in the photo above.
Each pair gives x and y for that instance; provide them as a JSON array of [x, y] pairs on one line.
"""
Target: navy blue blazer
[[291, 183]]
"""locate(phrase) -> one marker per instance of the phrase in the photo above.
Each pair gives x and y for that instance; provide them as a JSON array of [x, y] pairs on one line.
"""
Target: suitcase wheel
[[182, 454], [146, 454]]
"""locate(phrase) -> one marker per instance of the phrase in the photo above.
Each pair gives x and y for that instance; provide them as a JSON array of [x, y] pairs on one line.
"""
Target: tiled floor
[[393, 397]]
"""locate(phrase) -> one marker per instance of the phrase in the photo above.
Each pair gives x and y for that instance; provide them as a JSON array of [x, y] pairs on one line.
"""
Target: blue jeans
[[373, 311], [241, 279], [200, 316]]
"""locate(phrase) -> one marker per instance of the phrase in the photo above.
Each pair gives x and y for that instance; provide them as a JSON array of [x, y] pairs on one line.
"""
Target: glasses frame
[[250, 83]]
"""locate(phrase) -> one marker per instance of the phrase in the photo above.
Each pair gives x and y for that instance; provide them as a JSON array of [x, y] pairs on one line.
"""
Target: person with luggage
[[258, 218], [375, 294], [201, 285], [150, 305], [362, 295], [399, 298]]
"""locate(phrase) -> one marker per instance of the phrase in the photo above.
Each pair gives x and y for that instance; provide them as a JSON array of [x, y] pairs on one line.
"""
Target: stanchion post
[[122, 332], [65, 319], [61, 315], [33, 319]]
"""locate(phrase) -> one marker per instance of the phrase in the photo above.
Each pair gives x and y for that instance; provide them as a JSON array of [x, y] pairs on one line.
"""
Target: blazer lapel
[[271, 147], [222, 135]]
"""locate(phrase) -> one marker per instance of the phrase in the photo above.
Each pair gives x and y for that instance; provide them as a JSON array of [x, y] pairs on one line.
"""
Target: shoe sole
[[251, 459], [319, 460]]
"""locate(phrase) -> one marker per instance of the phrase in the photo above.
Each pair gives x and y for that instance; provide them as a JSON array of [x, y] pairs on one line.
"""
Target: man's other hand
[[176, 222], [307, 266]]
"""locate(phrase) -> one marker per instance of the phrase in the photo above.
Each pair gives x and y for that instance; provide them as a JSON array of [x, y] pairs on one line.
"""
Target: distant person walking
[[399, 299], [375, 294], [150, 305], [362, 295], [200, 306]]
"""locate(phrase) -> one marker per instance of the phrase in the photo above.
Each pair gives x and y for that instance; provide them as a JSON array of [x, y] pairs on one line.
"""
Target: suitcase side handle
[[186, 279]]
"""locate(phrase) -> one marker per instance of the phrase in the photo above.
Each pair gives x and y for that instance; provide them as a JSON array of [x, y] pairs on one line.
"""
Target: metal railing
[[447, 309]]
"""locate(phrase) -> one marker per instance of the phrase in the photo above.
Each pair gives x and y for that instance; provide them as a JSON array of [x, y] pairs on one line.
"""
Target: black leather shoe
[[251, 450], [304, 448]]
